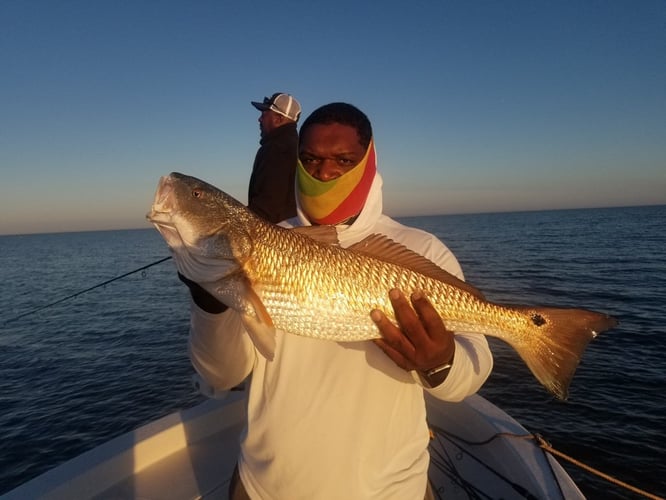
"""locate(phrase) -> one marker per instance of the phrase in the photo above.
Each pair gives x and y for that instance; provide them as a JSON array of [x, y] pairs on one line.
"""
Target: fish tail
[[556, 343]]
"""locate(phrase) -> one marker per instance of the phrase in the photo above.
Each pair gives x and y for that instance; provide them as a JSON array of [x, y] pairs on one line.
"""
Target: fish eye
[[197, 193]]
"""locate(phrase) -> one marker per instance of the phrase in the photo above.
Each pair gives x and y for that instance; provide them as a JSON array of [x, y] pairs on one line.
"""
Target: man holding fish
[[336, 419]]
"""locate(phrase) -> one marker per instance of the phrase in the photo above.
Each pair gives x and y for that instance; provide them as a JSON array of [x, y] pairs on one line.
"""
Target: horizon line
[[442, 214]]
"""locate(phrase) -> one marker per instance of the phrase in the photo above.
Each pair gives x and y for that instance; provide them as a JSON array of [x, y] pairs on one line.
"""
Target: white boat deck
[[191, 455], [188, 454]]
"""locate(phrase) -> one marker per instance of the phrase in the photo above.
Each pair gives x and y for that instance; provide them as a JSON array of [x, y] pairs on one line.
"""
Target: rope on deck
[[545, 445]]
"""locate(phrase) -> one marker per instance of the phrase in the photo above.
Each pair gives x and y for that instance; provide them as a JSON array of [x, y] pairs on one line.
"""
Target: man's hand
[[202, 298], [421, 342]]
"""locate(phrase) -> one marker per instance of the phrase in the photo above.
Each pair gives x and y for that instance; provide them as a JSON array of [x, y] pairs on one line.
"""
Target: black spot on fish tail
[[538, 320]]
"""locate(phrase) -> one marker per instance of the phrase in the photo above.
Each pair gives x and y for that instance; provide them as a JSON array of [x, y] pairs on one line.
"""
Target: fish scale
[[286, 285]]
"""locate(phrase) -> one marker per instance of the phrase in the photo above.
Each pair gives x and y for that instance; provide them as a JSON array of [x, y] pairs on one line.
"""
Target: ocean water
[[84, 370]]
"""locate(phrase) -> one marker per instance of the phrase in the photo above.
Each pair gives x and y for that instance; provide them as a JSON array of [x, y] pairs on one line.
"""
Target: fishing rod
[[37, 309]]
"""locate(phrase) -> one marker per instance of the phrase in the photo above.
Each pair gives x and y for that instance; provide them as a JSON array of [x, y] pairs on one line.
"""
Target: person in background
[[271, 189], [331, 420]]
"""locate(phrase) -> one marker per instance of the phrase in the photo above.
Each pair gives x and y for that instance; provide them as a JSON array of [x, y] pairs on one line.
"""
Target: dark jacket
[[271, 191]]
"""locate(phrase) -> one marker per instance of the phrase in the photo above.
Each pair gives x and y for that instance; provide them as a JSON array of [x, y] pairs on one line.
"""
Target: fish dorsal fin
[[322, 234], [384, 248]]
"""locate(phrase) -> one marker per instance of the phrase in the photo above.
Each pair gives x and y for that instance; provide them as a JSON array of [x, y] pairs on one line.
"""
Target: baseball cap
[[283, 104]]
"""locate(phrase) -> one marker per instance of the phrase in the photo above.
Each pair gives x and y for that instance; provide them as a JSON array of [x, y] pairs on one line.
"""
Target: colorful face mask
[[335, 201]]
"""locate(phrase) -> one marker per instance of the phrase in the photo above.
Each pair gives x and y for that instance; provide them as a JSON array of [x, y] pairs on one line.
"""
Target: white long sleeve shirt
[[335, 420]]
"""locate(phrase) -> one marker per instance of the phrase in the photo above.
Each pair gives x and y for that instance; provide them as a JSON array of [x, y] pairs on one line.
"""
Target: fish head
[[202, 225]]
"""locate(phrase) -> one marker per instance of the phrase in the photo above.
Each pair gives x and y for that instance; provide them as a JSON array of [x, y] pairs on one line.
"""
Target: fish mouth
[[163, 223], [160, 218], [162, 210], [163, 205], [166, 227]]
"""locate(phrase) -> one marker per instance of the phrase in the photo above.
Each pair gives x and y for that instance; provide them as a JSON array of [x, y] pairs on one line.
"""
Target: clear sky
[[476, 105]]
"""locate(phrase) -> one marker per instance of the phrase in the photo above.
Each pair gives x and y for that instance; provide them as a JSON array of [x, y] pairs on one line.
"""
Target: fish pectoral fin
[[260, 326], [381, 247], [323, 234], [262, 335]]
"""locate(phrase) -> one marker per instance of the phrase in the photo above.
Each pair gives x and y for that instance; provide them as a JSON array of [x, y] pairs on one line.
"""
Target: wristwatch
[[437, 375], [438, 369]]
